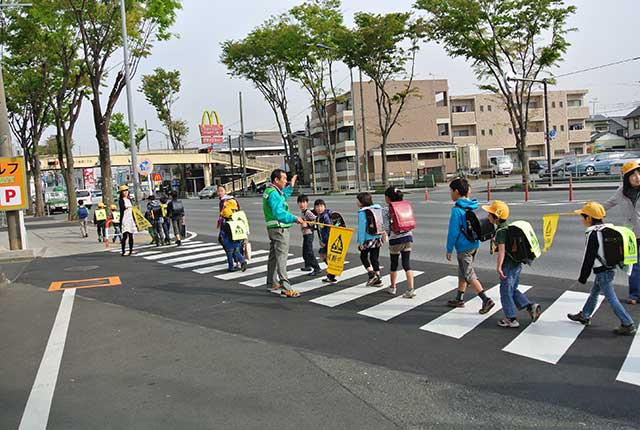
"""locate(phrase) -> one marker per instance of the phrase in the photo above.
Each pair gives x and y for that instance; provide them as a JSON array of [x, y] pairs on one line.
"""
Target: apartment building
[[633, 126], [419, 144], [482, 119]]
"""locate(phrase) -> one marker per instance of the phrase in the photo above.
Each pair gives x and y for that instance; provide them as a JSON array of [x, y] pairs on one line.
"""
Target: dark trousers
[[100, 227], [372, 254], [307, 252]]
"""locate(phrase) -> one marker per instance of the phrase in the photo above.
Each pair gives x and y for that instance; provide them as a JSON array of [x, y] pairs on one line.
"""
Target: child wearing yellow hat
[[626, 198], [594, 259], [100, 220], [508, 270]]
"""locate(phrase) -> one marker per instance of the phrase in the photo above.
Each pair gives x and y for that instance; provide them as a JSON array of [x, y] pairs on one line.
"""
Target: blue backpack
[[82, 212]]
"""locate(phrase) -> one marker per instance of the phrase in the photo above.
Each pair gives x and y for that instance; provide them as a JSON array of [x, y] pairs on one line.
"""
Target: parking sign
[[13, 184]]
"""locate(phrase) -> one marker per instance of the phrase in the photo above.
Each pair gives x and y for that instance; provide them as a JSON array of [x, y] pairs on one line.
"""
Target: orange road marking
[[110, 281]]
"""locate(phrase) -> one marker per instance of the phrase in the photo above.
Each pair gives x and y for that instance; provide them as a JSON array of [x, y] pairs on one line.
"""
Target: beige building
[[633, 126], [419, 144], [482, 119]]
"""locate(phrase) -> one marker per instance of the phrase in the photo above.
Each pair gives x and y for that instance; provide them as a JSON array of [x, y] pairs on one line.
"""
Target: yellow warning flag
[[549, 227], [339, 238], [141, 222]]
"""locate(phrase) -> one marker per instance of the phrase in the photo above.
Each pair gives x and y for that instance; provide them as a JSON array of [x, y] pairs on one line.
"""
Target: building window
[[558, 152], [482, 132], [553, 105], [561, 104], [562, 128], [510, 130], [461, 133], [481, 108], [462, 108], [555, 128], [441, 98], [576, 126], [574, 103], [399, 157], [489, 108], [636, 123], [429, 156], [490, 132], [443, 129]]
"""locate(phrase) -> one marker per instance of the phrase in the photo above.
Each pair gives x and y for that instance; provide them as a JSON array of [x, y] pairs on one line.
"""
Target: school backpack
[[336, 219], [156, 209], [241, 216], [619, 244], [522, 243], [177, 208], [477, 225], [402, 218], [375, 225], [83, 212]]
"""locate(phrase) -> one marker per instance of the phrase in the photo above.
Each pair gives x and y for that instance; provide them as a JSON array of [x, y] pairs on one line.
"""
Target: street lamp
[[546, 119], [163, 133], [355, 128]]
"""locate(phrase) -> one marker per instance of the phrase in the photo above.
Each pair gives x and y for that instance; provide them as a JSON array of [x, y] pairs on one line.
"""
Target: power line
[[598, 67]]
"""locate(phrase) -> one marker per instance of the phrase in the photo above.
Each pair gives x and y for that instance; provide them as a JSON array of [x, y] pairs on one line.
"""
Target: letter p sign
[[10, 196]]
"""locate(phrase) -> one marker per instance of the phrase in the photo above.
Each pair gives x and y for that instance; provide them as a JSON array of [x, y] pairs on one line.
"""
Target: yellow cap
[[498, 208], [101, 205], [112, 207], [592, 209], [124, 188], [630, 166]]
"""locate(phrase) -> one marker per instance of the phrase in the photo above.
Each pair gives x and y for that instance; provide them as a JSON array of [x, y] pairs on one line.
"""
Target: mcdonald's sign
[[211, 132]]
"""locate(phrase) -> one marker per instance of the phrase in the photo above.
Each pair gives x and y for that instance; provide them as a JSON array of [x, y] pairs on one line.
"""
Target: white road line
[[210, 269], [143, 254], [460, 321], [551, 336], [348, 294], [135, 248], [399, 305], [296, 273], [210, 261], [203, 247], [256, 269], [192, 257], [36, 412], [630, 371], [318, 283]]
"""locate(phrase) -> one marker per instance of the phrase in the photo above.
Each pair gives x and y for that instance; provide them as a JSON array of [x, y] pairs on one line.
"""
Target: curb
[[19, 255], [564, 189]]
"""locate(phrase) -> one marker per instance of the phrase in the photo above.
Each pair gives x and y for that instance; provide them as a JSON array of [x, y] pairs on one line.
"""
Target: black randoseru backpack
[[518, 246], [477, 225]]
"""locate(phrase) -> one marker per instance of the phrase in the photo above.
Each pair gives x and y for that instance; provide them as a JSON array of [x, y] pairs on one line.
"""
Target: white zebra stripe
[[257, 269], [210, 261]]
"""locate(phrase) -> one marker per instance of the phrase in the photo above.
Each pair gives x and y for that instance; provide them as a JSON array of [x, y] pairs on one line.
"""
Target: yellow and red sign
[[339, 239], [211, 132], [13, 184]]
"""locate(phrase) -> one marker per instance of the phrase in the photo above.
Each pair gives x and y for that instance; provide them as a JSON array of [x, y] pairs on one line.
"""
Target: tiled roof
[[413, 145], [634, 113]]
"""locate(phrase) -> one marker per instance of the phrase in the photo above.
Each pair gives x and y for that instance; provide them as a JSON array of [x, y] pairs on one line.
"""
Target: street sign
[[211, 140], [144, 167], [13, 184]]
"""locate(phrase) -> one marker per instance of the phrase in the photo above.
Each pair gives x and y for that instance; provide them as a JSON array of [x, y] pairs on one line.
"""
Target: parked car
[[597, 163], [56, 201], [85, 196], [616, 165], [565, 165], [96, 197], [538, 166], [208, 192]]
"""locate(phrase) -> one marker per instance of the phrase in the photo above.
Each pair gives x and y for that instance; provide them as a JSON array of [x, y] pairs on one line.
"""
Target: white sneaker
[[391, 291], [507, 323], [409, 294]]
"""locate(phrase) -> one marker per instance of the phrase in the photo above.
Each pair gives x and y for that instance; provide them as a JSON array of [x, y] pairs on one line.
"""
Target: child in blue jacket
[[466, 250], [369, 244]]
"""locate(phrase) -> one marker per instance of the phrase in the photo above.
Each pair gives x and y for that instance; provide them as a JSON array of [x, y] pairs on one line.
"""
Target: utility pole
[[146, 133], [364, 135], [243, 160], [233, 182], [313, 162], [355, 135], [127, 78], [13, 217], [546, 130]]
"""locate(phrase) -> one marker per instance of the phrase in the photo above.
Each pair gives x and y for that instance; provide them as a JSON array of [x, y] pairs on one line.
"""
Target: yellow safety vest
[[116, 217], [101, 214], [164, 209]]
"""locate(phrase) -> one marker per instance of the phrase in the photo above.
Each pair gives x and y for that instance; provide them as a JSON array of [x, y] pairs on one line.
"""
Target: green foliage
[[119, 130], [161, 90]]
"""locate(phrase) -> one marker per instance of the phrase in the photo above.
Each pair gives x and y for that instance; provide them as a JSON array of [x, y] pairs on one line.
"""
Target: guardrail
[[258, 178]]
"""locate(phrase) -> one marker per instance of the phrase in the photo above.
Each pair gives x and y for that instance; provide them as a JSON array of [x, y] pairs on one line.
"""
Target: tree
[[522, 38], [382, 46], [261, 58], [320, 23], [161, 90], [119, 130], [99, 25]]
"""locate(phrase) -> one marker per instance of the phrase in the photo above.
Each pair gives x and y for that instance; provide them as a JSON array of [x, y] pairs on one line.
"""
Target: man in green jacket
[[278, 220]]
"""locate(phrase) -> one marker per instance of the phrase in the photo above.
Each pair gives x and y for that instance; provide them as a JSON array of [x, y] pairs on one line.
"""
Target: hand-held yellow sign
[[339, 239], [549, 227], [141, 222]]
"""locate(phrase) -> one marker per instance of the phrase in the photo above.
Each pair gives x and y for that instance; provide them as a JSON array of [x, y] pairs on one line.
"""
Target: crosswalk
[[548, 340]]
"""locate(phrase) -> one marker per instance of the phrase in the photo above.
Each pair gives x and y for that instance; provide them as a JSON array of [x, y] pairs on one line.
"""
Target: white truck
[[469, 160], [495, 162]]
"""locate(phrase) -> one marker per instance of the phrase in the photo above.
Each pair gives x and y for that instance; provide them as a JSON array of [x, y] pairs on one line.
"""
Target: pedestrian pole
[[570, 188], [488, 191], [426, 194], [526, 191]]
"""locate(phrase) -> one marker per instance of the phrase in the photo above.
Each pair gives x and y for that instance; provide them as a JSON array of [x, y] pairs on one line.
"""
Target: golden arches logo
[[206, 115], [211, 132]]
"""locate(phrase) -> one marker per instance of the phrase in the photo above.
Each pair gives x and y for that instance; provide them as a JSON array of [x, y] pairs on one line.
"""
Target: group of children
[[163, 214], [233, 227], [394, 223], [100, 218]]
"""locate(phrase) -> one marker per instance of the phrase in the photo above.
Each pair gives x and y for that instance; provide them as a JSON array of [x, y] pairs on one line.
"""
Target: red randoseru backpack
[[402, 218]]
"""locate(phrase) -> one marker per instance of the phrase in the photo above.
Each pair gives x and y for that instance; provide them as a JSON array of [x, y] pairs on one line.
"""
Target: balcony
[[581, 112], [579, 136], [346, 148], [536, 114], [344, 118], [535, 138], [463, 118], [465, 140]]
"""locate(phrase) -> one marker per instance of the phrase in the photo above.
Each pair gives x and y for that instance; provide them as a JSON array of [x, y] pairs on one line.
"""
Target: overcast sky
[[606, 34]]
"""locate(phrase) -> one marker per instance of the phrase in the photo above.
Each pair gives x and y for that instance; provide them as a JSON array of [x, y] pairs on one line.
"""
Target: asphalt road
[[562, 260]]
